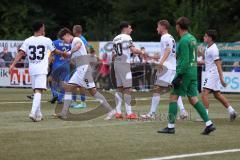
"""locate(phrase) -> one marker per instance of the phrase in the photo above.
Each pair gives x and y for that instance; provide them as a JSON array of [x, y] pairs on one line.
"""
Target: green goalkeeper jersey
[[186, 56]]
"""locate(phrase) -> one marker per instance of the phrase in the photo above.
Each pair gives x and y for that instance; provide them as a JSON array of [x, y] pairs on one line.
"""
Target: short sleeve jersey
[[38, 49], [121, 46]]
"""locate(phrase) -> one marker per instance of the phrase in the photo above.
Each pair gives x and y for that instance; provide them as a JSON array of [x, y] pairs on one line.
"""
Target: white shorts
[[39, 81], [164, 79], [212, 82], [123, 75], [83, 77]]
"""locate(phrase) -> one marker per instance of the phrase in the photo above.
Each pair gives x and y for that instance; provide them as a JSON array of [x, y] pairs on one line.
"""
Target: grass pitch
[[52, 138]]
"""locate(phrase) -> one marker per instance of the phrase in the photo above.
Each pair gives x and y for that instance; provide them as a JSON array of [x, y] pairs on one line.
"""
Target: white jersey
[[80, 58], [82, 51], [211, 54], [168, 41], [37, 49], [121, 46]]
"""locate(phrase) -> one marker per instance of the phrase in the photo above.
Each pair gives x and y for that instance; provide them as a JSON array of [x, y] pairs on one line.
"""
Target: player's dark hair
[[37, 25], [164, 23], [183, 23], [123, 24], [63, 32], [77, 28], [212, 33]]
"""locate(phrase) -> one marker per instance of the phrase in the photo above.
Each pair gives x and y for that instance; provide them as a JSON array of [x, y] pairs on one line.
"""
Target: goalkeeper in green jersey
[[185, 81]]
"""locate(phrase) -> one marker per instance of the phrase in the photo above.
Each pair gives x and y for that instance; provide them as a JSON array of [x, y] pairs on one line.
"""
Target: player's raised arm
[[53, 50], [135, 50], [56, 51], [62, 53]]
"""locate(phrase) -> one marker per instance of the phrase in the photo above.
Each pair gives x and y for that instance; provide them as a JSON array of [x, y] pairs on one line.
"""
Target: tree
[[100, 19]]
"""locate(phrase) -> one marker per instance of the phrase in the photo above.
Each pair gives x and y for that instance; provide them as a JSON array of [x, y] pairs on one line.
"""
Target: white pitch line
[[195, 154], [22, 102], [89, 100], [93, 100]]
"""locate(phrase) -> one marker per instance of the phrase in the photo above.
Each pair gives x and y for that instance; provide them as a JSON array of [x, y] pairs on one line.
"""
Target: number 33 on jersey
[[37, 49]]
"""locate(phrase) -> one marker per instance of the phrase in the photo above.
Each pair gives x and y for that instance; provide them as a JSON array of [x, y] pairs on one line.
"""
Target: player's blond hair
[[164, 23]]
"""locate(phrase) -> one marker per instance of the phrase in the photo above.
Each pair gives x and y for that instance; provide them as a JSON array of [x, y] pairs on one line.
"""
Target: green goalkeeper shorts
[[188, 87]]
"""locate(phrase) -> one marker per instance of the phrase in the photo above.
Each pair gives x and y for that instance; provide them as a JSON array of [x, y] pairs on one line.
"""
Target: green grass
[[52, 138]]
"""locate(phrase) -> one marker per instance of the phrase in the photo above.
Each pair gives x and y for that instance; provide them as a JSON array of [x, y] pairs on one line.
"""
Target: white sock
[[118, 99], [67, 102], [38, 112], [180, 103], [230, 110], [171, 125], [208, 123], [36, 103], [155, 103], [128, 106], [103, 101]]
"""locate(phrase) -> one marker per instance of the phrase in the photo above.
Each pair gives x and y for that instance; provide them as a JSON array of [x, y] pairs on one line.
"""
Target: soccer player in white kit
[[123, 47], [167, 65], [82, 77], [214, 76], [37, 49]]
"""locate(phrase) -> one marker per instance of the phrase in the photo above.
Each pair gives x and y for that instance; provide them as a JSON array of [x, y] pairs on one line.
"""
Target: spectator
[[6, 56], [147, 69], [21, 63], [153, 60], [2, 63], [137, 72], [236, 67], [104, 71]]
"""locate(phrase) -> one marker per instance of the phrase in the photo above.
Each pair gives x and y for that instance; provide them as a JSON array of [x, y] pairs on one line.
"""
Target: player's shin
[[61, 95], [183, 112], [128, 99], [67, 102], [36, 103], [202, 112], [74, 97], [155, 103], [83, 97], [172, 113], [103, 101], [38, 112], [54, 88], [180, 103], [118, 99]]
